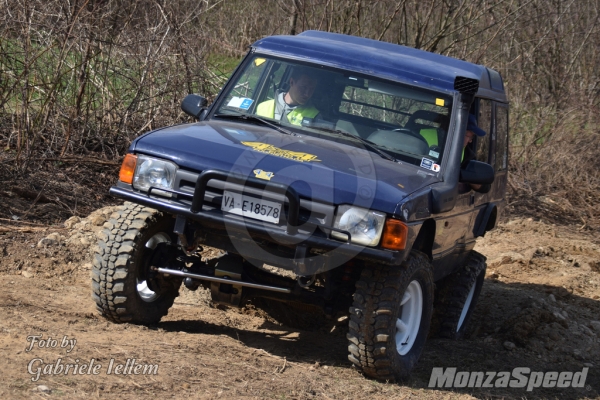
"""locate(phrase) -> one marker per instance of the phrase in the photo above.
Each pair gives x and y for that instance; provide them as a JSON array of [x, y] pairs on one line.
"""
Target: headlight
[[365, 226], [152, 172]]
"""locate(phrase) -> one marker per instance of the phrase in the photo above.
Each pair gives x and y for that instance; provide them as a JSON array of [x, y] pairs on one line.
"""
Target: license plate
[[251, 207]]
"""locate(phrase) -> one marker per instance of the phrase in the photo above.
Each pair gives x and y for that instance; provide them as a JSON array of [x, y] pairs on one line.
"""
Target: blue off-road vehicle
[[340, 172]]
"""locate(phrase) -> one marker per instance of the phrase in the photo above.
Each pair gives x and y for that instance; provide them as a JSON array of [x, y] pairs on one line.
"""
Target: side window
[[274, 82], [484, 121], [245, 90], [501, 138]]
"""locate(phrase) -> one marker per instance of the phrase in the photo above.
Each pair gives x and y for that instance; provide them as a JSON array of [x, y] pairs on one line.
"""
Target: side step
[[221, 280]]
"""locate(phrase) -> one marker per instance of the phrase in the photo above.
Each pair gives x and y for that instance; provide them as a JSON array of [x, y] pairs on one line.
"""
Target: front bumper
[[243, 231]]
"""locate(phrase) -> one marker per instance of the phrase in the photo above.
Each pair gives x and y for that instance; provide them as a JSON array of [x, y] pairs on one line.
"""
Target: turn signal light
[[127, 169], [395, 234]]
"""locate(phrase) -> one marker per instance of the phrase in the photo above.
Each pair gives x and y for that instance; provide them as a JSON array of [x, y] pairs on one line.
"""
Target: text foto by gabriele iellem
[[38, 367]]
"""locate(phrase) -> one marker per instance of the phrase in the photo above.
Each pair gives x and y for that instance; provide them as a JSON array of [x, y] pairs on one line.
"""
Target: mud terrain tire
[[390, 317], [120, 273], [456, 297]]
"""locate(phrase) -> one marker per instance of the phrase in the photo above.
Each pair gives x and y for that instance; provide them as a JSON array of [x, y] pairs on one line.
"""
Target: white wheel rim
[[466, 307], [407, 325], [143, 290]]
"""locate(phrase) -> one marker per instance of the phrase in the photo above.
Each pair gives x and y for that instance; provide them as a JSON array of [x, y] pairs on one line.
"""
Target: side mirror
[[477, 172], [193, 105]]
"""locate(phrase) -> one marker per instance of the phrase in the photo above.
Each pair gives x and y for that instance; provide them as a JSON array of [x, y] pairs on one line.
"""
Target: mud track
[[539, 308]]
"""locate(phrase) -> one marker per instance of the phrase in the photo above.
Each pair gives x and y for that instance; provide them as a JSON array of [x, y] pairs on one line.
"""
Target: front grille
[[310, 211]]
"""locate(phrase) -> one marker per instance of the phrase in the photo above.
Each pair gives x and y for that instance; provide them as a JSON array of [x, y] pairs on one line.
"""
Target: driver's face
[[468, 137], [301, 90]]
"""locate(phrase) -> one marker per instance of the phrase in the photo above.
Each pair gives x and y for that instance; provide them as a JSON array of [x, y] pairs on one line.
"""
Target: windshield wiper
[[250, 117], [370, 145]]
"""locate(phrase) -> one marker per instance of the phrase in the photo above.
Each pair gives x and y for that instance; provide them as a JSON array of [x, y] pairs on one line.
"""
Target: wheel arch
[[488, 218], [424, 240]]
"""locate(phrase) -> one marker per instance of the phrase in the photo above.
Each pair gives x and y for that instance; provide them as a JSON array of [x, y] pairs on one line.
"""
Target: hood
[[326, 170]]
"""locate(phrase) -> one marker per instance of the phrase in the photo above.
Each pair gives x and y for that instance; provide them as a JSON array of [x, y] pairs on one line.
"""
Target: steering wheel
[[411, 133]]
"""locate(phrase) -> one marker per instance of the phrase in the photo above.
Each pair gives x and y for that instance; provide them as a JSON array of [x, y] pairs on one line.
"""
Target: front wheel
[[124, 286], [390, 317]]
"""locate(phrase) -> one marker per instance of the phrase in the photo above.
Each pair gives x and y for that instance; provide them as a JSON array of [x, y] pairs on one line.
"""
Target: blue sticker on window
[[246, 103]]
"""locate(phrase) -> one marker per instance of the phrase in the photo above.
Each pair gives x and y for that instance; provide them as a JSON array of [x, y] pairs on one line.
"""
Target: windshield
[[405, 122]]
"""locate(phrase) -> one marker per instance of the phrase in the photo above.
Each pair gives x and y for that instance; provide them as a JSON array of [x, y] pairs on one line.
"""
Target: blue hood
[[325, 170]]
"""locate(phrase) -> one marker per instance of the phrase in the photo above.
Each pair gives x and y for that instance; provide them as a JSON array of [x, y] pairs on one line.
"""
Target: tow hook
[[184, 243]]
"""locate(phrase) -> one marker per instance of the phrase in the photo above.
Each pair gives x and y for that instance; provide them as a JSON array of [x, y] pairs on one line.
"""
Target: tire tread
[[112, 290], [371, 317]]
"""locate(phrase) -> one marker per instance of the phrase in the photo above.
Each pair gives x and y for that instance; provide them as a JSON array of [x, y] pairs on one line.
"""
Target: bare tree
[[87, 76]]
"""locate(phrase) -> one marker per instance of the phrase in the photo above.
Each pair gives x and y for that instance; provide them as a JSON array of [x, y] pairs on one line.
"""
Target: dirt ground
[[539, 308]]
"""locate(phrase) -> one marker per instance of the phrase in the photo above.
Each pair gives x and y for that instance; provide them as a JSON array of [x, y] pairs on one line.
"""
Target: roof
[[387, 60]]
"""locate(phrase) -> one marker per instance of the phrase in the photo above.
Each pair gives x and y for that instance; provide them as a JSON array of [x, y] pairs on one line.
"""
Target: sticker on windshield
[[240, 102], [430, 165], [433, 153]]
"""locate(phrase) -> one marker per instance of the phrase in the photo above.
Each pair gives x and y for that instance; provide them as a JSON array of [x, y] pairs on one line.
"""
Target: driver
[[295, 105]]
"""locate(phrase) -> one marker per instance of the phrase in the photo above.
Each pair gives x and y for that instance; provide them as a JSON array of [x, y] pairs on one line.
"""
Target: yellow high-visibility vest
[[431, 136], [295, 117]]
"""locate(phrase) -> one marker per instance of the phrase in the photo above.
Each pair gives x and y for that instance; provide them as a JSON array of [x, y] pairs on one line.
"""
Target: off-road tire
[[120, 264], [374, 314], [456, 297]]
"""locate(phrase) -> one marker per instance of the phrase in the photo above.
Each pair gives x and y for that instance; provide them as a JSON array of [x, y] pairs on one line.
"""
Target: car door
[[486, 146]]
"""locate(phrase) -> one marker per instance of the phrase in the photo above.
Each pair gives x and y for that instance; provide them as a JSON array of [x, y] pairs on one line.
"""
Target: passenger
[[472, 131], [295, 105], [468, 153]]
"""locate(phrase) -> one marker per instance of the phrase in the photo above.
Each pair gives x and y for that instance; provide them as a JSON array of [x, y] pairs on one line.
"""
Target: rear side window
[[501, 138]]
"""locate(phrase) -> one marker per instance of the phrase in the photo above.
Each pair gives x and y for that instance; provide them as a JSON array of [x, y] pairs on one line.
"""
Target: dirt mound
[[61, 251], [541, 292]]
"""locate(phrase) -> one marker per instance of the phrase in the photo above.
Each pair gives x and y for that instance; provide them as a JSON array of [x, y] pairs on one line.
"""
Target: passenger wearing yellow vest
[[472, 131], [431, 136], [294, 105]]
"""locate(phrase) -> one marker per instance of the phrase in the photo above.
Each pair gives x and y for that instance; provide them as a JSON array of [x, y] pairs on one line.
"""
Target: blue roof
[[387, 60]]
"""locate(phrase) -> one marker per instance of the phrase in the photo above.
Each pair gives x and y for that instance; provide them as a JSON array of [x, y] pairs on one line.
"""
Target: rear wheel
[[456, 297], [124, 286], [390, 317]]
